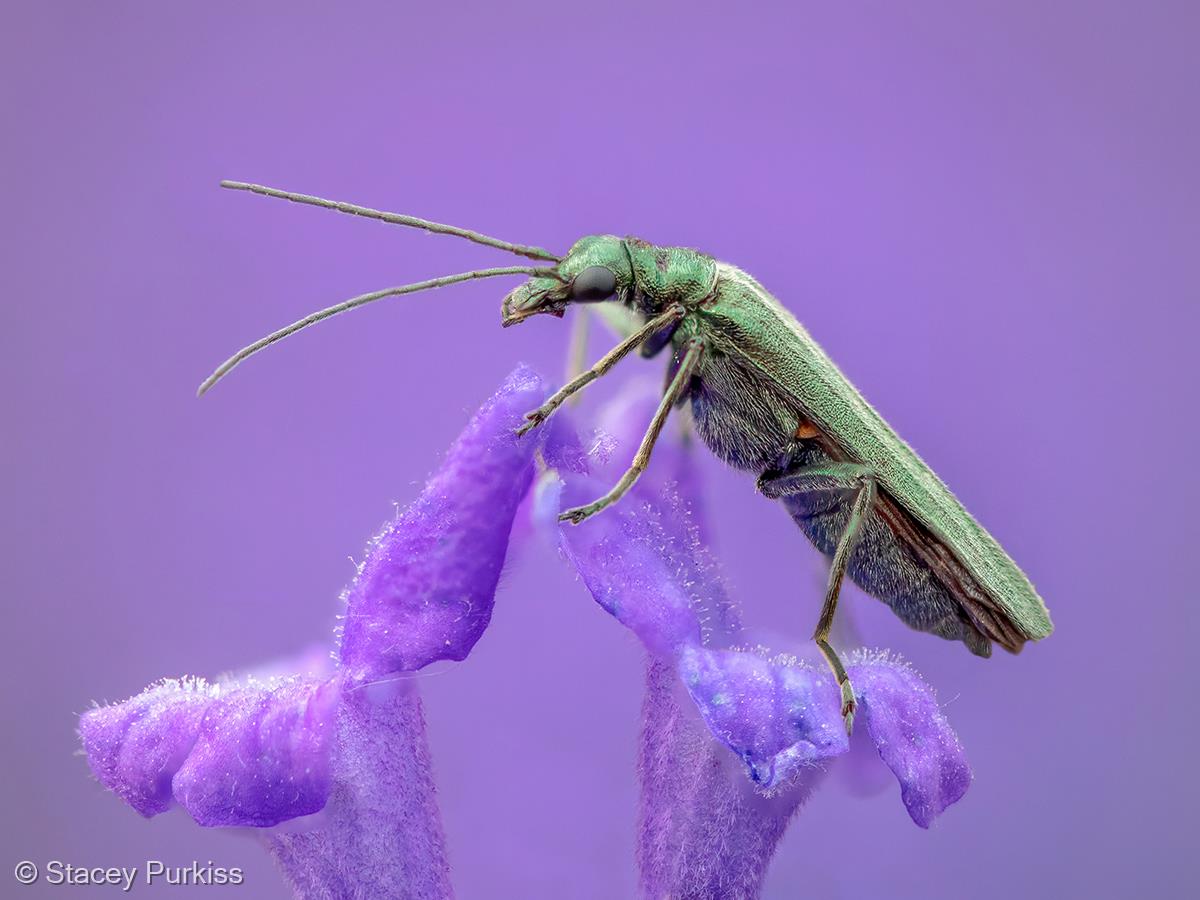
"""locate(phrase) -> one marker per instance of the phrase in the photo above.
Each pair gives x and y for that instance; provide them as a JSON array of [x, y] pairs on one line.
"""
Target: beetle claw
[[536, 418], [849, 705], [576, 514]]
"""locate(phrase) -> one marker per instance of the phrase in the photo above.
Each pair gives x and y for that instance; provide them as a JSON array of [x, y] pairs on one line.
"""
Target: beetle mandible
[[765, 398]]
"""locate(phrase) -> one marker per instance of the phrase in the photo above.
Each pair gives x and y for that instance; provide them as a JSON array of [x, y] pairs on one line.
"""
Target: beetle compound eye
[[593, 284]]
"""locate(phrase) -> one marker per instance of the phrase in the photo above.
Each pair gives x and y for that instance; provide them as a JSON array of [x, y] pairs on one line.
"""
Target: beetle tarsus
[[578, 514], [849, 706], [535, 418]]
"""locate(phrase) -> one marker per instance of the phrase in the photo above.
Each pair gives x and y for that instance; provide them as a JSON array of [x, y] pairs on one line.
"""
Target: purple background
[[988, 217]]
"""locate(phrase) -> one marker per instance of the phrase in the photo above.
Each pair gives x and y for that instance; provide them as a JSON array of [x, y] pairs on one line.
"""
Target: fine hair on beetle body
[[765, 398]]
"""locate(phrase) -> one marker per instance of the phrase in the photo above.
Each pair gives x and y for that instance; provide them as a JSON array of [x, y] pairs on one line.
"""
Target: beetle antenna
[[394, 219], [361, 300]]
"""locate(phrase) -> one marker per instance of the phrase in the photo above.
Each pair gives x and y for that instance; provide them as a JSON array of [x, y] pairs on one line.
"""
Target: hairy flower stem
[[381, 832], [703, 830]]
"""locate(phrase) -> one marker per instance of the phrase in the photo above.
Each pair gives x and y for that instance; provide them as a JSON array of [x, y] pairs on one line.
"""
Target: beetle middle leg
[[676, 389], [825, 478]]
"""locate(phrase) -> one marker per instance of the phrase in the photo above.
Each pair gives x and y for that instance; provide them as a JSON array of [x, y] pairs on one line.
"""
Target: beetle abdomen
[[739, 415], [883, 564]]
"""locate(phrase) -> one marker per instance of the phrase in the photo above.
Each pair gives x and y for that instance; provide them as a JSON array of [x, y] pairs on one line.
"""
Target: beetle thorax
[[666, 275]]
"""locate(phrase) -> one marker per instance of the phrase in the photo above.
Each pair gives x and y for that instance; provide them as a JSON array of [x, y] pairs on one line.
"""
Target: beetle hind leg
[[849, 704], [825, 479]]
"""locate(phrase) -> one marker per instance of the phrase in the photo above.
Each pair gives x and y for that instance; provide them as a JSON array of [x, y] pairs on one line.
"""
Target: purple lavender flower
[[704, 829], [349, 745], [733, 740]]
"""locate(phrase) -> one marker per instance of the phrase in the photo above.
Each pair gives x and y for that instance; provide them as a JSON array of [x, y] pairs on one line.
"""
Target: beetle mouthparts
[[520, 316], [524, 302]]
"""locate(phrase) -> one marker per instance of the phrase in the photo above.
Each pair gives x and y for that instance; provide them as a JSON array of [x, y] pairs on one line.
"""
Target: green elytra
[[765, 397]]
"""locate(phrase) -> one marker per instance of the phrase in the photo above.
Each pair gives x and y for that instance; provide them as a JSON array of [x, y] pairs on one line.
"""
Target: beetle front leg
[[675, 390], [610, 359], [822, 478]]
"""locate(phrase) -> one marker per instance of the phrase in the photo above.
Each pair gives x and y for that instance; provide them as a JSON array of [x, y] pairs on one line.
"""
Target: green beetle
[[766, 398]]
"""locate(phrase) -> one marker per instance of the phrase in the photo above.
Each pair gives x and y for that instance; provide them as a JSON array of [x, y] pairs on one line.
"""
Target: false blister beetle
[[765, 398]]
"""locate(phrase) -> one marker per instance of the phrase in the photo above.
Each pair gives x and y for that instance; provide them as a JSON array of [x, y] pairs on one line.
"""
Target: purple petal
[[673, 469], [704, 830], [262, 755], [230, 755], [778, 718], [914, 739], [673, 486], [626, 416], [136, 747], [643, 559], [626, 556], [426, 589], [561, 452], [563, 449], [545, 503]]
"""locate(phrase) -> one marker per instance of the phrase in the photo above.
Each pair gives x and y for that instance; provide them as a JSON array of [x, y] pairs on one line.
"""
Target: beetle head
[[596, 269]]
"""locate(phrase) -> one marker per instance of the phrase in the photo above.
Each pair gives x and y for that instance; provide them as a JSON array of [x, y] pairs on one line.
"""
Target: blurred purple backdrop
[[988, 217]]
